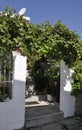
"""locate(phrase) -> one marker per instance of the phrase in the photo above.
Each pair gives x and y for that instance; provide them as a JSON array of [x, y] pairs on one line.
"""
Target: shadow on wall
[[12, 112], [18, 89]]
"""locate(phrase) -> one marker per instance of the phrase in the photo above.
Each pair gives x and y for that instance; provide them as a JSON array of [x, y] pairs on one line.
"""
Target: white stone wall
[[67, 101], [12, 112]]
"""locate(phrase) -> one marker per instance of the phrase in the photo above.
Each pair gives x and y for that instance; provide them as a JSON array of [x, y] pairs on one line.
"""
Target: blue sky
[[69, 11]]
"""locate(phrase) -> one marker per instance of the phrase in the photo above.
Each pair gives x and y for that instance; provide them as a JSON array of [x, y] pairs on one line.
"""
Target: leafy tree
[[54, 42], [66, 43], [77, 78], [13, 31]]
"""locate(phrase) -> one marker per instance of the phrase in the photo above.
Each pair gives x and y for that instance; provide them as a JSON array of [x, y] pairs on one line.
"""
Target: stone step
[[36, 116], [42, 120], [41, 110], [31, 99]]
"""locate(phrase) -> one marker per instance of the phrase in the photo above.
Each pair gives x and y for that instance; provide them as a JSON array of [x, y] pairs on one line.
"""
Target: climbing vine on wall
[[56, 42]]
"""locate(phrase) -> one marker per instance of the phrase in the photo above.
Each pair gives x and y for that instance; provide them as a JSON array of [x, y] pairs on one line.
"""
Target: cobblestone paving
[[72, 123]]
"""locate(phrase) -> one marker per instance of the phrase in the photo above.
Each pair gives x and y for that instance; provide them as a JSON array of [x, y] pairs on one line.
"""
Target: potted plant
[[50, 92], [53, 74]]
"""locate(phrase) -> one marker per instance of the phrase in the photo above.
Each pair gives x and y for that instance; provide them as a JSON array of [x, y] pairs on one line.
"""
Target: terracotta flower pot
[[20, 49]]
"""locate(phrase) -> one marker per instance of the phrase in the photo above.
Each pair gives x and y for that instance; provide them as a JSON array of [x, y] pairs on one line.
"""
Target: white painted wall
[[12, 112], [67, 101]]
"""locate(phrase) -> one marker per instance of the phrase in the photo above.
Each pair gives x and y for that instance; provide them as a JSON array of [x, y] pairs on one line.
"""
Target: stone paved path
[[72, 123]]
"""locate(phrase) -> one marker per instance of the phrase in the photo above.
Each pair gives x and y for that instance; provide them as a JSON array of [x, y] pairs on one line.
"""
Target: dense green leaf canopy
[[55, 42]]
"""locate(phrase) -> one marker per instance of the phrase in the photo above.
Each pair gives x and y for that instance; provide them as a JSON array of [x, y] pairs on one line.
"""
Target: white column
[[12, 112], [19, 77], [67, 101], [18, 88]]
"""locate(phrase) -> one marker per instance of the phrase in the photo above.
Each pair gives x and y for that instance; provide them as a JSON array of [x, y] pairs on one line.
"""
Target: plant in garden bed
[[77, 78], [41, 80], [52, 72]]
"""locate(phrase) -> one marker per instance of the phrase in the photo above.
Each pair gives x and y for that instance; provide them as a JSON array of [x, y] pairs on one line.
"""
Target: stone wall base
[[78, 105]]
